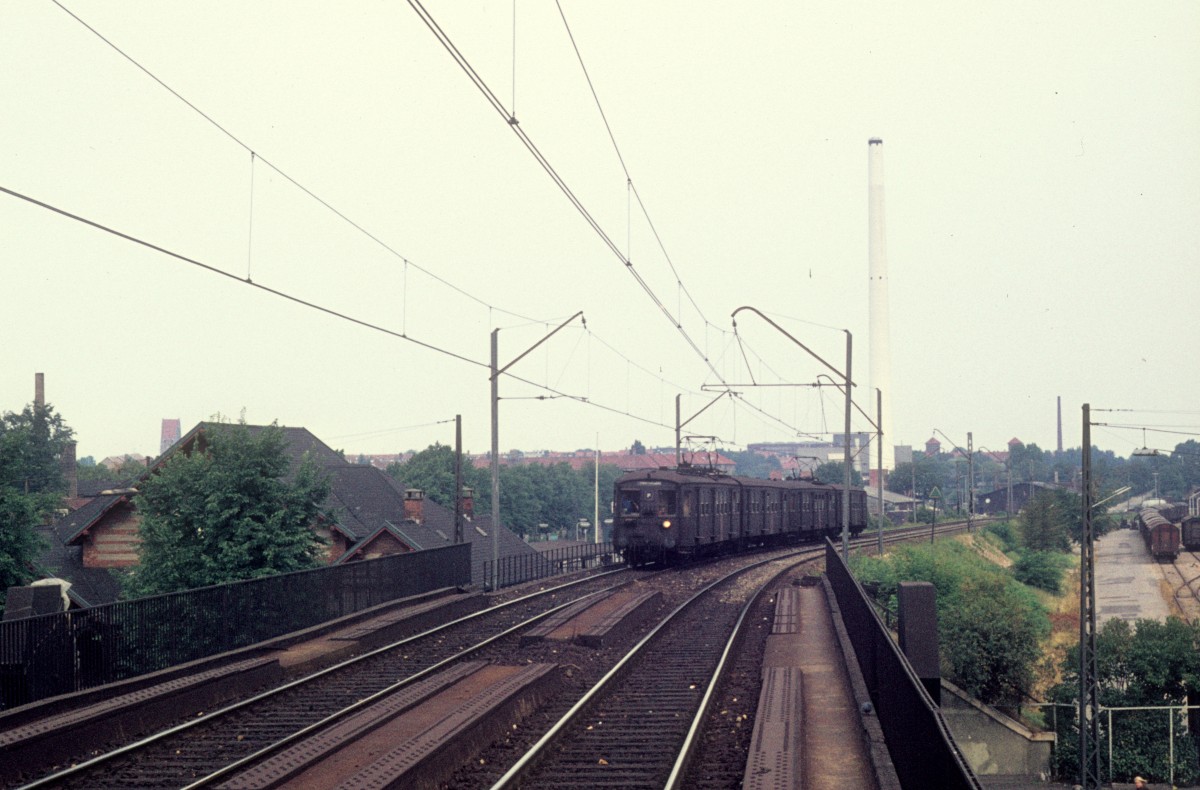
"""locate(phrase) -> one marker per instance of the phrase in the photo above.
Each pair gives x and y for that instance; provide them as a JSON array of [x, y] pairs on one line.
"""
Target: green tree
[[637, 448], [1029, 463], [990, 631], [19, 543], [129, 469], [1148, 664], [752, 464], [32, 443], [927, 472], [432, 471], [235, 511], [1041, 569], [835, 472], [1045, 522]]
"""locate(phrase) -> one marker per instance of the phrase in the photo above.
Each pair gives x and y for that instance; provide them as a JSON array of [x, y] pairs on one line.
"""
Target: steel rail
[[689, 743], [81, 768], [517, 770], [1188, 585]]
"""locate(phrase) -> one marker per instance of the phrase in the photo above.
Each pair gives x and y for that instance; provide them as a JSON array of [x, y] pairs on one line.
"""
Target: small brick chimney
[[70, 471], [468, 502], [414, 505]]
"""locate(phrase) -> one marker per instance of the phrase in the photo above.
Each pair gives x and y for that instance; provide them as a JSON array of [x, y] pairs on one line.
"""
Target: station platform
[[811, 731]]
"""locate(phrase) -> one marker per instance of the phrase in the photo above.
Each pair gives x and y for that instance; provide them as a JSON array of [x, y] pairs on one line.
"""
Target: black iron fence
[[59, 653], [528, 567], [918, 740]]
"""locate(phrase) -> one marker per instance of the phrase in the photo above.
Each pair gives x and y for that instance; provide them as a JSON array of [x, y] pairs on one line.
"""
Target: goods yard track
[[1186, 583]]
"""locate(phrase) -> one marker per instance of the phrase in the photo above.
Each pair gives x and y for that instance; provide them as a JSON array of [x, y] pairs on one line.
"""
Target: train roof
[[697, 475]]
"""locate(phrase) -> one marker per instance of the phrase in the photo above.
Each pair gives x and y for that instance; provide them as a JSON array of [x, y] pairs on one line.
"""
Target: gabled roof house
[[370, 516]]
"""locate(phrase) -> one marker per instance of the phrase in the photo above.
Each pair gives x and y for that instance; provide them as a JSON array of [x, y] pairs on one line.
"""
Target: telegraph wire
[[236, 140], [400, 429], [1146, 428], [595, 96], [345, 218]]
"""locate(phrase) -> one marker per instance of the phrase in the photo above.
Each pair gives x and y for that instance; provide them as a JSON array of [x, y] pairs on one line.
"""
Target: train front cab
[[645, 522]]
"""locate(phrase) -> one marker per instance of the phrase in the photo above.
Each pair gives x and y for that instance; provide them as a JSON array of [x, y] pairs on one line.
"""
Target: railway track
[[201, 750], [1186, 568], [213, 745], [635, 727]]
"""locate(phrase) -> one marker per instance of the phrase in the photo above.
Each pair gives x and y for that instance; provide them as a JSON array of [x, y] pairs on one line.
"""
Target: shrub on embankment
[[990, 626]]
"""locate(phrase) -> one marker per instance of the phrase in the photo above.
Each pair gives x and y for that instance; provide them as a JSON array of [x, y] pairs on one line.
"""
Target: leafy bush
[[990, 627], [1004, 531], [1041, 569]]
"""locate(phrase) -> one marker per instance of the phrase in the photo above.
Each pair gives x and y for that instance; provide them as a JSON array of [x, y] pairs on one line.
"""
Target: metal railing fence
[[521, 568], [59, 653], [918, 741], [1123, 763]]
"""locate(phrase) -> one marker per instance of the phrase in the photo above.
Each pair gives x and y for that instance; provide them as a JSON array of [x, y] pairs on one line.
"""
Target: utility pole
[[879, 470], [495, 460], [970, 480], [846, 477], [458, 486], [496, 370], [596, 515], [1089, 686]]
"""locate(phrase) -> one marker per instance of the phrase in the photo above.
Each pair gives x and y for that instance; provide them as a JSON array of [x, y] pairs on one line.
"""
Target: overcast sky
[[1042, 196]]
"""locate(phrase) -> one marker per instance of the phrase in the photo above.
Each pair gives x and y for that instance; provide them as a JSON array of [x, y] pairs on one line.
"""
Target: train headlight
[[666, 523]]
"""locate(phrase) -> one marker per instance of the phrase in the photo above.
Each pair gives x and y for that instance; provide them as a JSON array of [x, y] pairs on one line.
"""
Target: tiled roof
[[363, 499], [297, 442], [366, 501], [73, 525], [89, 586]]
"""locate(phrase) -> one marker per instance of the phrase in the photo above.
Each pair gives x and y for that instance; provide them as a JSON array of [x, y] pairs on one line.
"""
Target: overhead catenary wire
[[624, 167], [559, 181], [256, 157]]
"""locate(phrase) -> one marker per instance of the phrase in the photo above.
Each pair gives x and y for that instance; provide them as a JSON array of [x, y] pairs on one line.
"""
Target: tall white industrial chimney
[[880, 324]]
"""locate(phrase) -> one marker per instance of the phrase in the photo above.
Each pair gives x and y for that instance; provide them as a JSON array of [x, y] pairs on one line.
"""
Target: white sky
[[1042, 178]]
